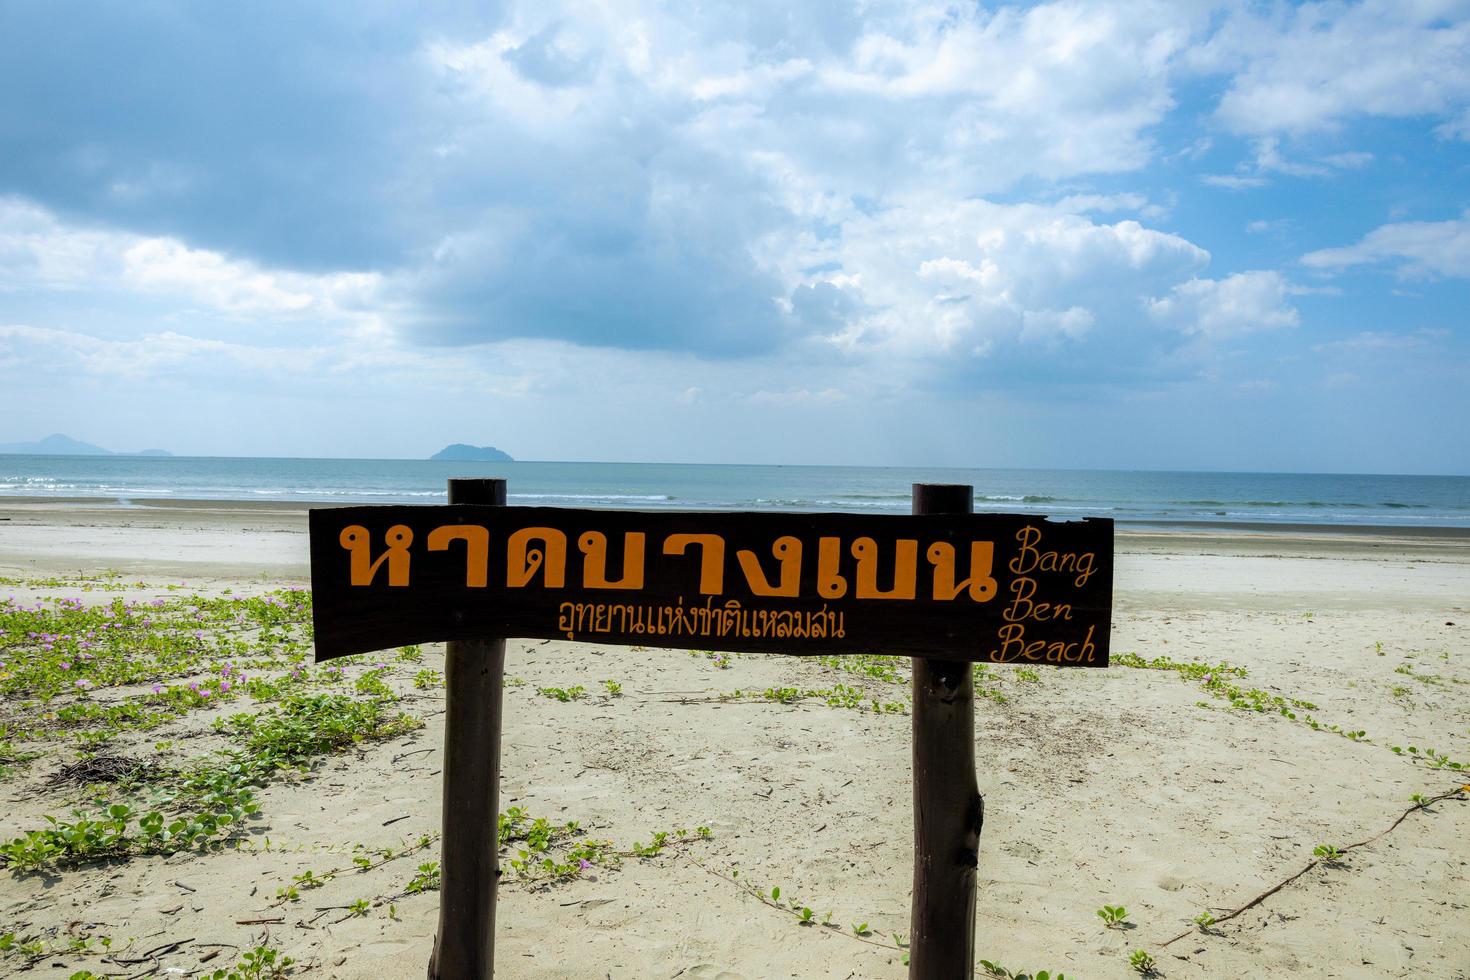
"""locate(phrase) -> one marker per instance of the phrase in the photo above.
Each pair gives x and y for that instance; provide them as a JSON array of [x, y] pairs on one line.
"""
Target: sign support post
[[948, 809], [469, 864]]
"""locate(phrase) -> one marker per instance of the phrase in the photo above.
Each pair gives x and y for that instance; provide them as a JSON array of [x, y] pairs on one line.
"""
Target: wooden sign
[[944, 586], [999, 588]]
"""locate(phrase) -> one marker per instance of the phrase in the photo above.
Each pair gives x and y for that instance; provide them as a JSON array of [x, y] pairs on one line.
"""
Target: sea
[[1148, 498]]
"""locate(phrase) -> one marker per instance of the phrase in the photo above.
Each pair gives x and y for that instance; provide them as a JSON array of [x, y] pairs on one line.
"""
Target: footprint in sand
[[707, 971]]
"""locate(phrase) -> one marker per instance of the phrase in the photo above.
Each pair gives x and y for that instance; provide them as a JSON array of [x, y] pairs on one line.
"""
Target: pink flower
[[204, 694], [157, 688], [84, 684], [63, 665], [224, 686], [583, 864]]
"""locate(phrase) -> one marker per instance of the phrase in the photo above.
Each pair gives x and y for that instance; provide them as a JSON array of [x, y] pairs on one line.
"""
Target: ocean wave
[[650, 497], [865, 503], [874, 501], [808, 503], [1279, 504], [316, 492], [52, 486], [1024, 505], [1026, 498], [34, 483]]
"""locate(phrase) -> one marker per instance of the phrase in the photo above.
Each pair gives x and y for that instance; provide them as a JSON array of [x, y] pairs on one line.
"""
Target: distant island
[[60, 445], [461, 453]]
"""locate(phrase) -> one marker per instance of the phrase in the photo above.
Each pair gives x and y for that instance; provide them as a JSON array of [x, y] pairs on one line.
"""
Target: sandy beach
[[1154, 784]]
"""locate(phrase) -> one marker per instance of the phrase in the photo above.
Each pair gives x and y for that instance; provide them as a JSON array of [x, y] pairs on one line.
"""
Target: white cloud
[[1053, 325], [1234, 182], [38, 251], [1310, 67], [1350, 160], [153, 355], [931, 278], [1083, 203], [1419, 249], [797, 396], [511, 371], [1376, 342], [164, 265], [1239, 304], [896, 97], [1053, 90], [1270, 160], [1457, 128]]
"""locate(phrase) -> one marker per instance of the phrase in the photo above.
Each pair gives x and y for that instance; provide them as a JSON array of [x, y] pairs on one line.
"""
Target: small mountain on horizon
[[462, 453], [57, 444]]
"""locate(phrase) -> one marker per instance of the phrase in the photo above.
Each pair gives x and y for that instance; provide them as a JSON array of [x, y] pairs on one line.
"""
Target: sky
[[1134, 235]]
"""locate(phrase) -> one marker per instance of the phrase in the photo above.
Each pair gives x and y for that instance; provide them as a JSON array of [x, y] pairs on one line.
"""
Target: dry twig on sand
[[1457, 793]]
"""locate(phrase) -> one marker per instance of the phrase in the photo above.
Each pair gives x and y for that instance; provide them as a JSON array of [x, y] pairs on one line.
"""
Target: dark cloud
[[319, 138], [629, 257], [286, 132]]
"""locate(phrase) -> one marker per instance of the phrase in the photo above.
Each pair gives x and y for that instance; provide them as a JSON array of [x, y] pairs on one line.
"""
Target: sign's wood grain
[[999, 588]]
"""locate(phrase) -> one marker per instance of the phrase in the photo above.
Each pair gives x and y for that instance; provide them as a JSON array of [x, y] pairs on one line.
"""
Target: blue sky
[[1131, 235]]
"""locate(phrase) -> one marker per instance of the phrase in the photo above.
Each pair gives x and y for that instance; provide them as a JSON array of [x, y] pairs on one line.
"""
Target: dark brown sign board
[[944, 586], [999, 588]]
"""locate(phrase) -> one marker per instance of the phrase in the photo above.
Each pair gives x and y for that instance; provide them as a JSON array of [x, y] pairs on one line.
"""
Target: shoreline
[[1124, 526]]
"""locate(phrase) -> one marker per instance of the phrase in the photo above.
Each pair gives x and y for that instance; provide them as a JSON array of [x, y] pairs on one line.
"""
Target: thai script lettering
[[713, 620], [543, 557]]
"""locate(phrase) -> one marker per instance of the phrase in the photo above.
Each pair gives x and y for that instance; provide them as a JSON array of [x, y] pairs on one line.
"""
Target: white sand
[[1118, 786]]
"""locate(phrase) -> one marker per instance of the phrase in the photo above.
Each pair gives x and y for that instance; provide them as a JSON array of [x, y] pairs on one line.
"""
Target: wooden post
[[948, 810], [469, 866]]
